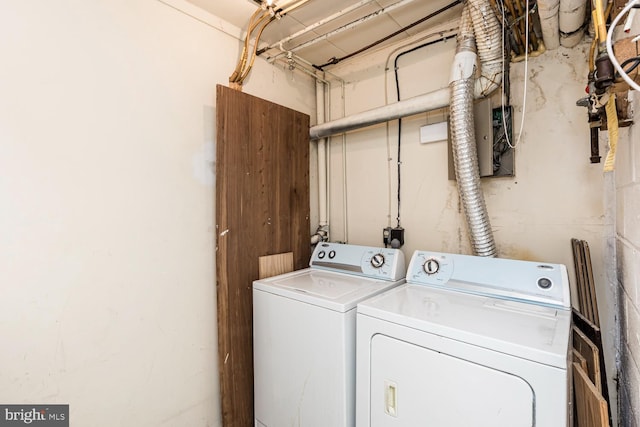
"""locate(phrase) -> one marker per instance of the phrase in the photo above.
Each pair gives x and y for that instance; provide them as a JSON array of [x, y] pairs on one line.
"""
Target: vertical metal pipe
[[322, 158]]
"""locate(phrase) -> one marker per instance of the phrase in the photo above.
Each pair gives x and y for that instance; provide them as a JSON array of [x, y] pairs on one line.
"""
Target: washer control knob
[[321, 254], [332, 254], [377, 260], [431, 266]]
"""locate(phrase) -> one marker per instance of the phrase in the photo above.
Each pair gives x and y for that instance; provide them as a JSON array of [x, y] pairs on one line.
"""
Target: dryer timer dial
[[377, 261], [431, 266]]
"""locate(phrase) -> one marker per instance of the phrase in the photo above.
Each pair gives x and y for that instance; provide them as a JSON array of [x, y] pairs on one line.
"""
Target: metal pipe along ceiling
[[352, 24], [316, 25]]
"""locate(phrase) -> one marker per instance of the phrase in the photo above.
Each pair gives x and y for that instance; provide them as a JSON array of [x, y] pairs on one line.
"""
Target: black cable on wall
[[395, 69]]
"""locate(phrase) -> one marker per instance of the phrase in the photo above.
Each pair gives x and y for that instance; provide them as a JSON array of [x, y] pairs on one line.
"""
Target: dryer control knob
[[431, 266], [377, 260]]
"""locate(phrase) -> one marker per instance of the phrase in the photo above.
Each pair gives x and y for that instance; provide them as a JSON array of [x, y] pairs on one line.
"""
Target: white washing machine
[[304, 331], [466, 342]]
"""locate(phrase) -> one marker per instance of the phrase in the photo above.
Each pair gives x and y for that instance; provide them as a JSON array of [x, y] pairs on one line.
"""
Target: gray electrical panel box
[[493, 136], [484, 136]]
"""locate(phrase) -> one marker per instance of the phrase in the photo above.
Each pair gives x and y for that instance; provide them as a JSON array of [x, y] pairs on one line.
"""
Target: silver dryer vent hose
[[479, 28]]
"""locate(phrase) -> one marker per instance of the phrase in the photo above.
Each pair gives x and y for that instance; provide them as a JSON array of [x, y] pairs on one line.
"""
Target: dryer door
[[415, 386]]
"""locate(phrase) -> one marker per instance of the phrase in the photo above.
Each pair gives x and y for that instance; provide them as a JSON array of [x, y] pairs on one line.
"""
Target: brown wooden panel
[[591, 408], [262, 208], [595, 336], [593, 302], [273, 265], [590, 352]]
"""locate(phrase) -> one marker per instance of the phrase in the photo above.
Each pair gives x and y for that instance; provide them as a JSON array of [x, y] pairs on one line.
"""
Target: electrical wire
[[451, 32], [395, 68], [614, 61], [526, 78], [635, 61]]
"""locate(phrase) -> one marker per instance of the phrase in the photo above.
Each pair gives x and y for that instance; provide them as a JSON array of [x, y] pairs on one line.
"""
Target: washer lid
[[529, 331], [332, 290]]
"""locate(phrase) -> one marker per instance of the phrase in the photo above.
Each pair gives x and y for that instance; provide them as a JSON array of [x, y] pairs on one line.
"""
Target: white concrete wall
[[555, 195], [107, 193]]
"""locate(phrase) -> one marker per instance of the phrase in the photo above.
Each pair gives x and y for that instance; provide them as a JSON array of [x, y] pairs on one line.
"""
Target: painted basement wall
[[557, 194], [107, 206]]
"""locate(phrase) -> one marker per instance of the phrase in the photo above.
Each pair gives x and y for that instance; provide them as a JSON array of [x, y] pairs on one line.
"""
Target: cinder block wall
[[628, 256]]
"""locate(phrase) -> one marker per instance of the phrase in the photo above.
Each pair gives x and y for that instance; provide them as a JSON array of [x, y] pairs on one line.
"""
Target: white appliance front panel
[[366, 261], [550, 385], [416, 386], [532, 282], [304, 363], [534, 332], [336, 291]]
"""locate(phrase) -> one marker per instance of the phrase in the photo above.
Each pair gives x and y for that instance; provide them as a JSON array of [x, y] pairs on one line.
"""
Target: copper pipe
[[242, 69], [255, 49], [245, 49], [594, 42]]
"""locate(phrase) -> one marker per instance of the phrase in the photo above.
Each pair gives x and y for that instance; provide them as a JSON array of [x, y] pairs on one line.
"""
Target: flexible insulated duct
[[479, 29], [549, 21], [571, 21]]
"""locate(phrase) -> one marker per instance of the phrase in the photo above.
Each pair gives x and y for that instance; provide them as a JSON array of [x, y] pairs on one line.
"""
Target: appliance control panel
[[527, 281], [367, 261]]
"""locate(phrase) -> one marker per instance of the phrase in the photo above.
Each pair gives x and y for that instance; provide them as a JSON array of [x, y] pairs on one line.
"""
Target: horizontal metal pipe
[[316, 25], [352, 24], [418, 104]]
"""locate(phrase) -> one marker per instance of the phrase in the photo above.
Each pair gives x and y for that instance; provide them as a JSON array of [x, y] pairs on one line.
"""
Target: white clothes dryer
[[304, 331], [466, 342]]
